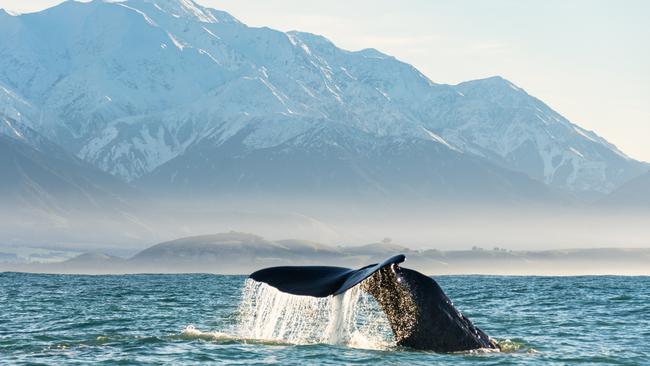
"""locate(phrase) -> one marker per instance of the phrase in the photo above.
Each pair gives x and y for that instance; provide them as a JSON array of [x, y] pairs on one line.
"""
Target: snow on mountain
[[10, 114], [499, 118], [336, 163], [19, 120], [136, 87], [12, 105]]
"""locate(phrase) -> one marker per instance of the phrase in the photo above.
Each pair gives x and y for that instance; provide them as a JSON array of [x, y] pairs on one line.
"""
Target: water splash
[[515, 346], [353, 318], [190, 332]]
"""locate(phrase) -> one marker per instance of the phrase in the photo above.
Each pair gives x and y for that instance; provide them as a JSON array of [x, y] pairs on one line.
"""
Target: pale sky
[[587, 59]]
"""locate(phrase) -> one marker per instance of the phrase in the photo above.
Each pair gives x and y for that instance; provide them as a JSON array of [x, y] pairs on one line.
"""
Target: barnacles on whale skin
[[394, 299]]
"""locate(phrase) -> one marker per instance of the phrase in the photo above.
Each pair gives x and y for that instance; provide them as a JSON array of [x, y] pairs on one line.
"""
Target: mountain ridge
[[185, 82]]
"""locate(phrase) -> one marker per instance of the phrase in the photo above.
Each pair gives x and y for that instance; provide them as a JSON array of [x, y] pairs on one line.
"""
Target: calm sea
[[210, 319]]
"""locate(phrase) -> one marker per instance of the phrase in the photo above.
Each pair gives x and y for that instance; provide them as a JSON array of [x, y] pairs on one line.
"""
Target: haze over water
[[199, 319]]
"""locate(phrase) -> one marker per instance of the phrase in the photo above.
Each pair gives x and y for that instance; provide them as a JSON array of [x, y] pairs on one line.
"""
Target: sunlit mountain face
[[184, 104]]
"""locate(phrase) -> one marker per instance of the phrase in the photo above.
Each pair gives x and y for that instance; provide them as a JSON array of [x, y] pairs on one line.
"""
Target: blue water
[[144, 319]]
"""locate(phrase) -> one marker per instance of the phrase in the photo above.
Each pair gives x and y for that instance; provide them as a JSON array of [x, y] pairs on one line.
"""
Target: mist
[[433, 225]]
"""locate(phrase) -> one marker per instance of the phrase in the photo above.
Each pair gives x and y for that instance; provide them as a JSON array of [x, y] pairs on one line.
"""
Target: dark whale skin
[[421, 316], [431, 321]]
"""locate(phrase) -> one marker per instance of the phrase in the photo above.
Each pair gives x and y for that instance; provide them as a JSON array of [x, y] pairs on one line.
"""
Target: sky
[[587, 59]]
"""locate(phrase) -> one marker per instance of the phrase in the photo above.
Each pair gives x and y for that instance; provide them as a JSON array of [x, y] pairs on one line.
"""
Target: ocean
[[201, 319]]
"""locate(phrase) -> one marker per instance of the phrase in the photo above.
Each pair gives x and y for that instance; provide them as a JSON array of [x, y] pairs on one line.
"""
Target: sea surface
[[212, 319]]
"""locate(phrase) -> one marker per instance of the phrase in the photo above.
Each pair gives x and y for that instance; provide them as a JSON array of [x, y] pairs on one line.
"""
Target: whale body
[[421, 316]]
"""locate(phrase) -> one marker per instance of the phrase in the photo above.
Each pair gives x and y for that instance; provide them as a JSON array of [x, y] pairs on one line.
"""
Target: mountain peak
[[493, 87], [5, 12], [188, 9], [373, 53], [496, 81]]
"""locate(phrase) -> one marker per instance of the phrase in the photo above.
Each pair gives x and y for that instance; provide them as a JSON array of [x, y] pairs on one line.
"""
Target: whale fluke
[[421, 316], [318, 281]]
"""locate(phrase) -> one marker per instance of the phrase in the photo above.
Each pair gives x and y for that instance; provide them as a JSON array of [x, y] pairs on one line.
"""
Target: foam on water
[[353, 318], [190, 332]]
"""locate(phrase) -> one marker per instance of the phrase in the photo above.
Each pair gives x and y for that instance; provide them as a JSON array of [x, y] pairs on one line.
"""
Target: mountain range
[[109, 101]]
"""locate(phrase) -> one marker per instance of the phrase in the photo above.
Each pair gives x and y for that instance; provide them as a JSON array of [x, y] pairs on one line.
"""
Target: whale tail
[[421, 316]]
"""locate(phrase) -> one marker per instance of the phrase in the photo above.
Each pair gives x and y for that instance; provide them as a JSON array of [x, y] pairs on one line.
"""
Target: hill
[[239, 253]]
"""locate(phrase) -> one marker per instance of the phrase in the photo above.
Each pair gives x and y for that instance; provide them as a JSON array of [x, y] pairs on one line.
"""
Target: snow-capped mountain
[[498, 118], [158, 91]]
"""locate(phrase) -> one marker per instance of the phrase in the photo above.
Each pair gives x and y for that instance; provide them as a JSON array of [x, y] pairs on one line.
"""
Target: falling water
[[352, 318]]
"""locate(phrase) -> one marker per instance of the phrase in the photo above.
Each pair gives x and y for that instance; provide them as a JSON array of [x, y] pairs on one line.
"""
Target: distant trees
[[495, 249]]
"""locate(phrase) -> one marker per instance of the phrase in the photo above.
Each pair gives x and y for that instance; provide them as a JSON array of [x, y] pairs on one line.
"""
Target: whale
[[420, 314]]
